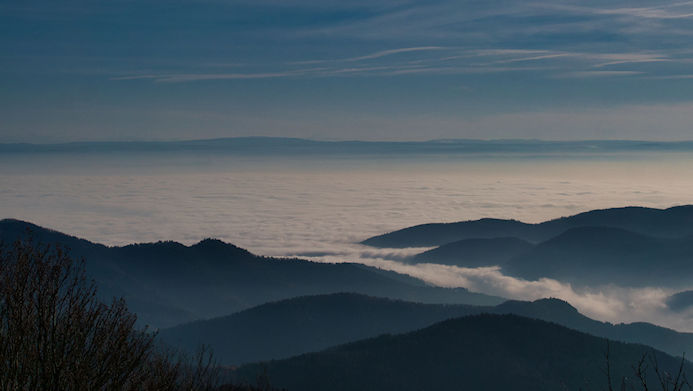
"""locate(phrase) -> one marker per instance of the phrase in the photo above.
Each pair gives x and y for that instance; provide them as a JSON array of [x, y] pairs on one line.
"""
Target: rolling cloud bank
[[319, 207]]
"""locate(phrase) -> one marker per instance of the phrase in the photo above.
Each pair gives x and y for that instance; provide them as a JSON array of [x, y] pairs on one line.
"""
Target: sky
[[335, 70]]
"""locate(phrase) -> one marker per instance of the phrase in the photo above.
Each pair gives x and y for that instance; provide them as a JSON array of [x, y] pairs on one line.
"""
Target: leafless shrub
[[667, 381], [56, 335], [643, 370]]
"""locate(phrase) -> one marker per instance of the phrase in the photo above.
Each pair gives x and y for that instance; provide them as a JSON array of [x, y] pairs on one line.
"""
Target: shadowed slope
[[485, 352], [301, 325], [305, 324], [560, 312], [475, 252], [603, 255]]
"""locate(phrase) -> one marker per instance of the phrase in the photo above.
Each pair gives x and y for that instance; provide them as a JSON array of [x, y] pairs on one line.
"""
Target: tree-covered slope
[[311, 323], [305, 324], [484, 352], [168, 283]]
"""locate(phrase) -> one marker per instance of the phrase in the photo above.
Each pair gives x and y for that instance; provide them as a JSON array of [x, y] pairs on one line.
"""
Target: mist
[[319, 207]]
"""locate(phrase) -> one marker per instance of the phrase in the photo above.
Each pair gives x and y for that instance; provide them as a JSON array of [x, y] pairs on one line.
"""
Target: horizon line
[[337, 141]]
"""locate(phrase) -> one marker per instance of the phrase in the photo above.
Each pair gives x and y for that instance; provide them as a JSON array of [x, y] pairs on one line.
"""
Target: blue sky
[[372, 70]]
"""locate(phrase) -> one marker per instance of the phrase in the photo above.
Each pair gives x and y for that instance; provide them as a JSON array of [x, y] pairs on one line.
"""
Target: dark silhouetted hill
[[604, 255], [306, 324], [436, 234], [301, 325], [671, 222], [167, 283], [475, 252], [560, 312], [484, 352]]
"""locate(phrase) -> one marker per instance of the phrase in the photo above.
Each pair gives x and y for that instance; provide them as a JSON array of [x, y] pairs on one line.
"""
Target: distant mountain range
[[167, 283], [630, 246], [296, 146], [306, 324], [672, 222], [604, 255], [483, 352]]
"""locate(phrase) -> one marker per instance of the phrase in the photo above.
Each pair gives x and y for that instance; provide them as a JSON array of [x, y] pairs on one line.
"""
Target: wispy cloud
[[630, 58], [661, 12], [599, 59], [385, 70], [672, 77], [680, 10], [222, 76], [568, 40], [464, 70], [535, 58], [464, 61], [505, 52], [592, 74], [379, 54], [390, 52], [192, 77]]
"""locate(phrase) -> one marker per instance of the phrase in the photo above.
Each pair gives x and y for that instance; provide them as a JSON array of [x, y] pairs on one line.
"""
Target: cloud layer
[[318, 208]]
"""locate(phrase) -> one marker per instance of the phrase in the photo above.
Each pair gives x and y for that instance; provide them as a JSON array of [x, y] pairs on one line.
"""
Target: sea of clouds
[[319, 208]]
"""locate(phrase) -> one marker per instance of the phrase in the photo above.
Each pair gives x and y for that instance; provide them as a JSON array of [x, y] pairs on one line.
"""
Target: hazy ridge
[[305, 324], [289, 146], [167, 283]]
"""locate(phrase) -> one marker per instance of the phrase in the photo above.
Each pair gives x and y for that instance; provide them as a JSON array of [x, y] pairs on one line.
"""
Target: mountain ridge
[[607, 255], [287, 144], [489, 352], [475, 252], [301, 325], [669, 222], [212, 278]]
